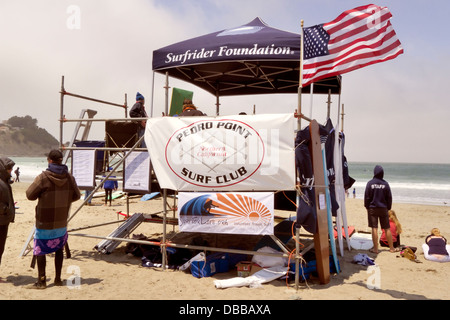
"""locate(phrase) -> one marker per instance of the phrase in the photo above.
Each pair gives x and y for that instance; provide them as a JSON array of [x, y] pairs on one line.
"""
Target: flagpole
[[300, 85], [311, 96], [342, 110], [297, 230]]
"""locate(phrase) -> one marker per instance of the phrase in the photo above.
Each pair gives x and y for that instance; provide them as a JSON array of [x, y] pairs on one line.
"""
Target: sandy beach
[[121, 276]]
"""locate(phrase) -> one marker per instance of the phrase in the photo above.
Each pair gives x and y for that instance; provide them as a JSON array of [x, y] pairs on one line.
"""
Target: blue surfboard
[[330, 221], [149, 196]]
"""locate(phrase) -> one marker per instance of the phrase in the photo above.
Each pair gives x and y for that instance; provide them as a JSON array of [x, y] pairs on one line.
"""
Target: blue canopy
[[250, 59]]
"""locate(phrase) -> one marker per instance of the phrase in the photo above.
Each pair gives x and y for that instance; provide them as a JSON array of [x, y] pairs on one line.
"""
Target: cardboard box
[[244, 268], [255, 268]]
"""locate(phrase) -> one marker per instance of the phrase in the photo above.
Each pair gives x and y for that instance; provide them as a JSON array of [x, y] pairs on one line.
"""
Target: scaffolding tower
[[132, 221]]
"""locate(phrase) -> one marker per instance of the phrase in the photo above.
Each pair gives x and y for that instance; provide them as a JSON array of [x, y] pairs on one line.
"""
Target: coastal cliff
[[21, 137]]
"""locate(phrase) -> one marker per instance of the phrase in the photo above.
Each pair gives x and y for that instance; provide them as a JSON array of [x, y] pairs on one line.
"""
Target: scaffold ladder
[[87, 127]]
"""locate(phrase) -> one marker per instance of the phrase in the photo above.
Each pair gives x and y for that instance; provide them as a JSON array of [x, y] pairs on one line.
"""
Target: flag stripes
[[357, 38]]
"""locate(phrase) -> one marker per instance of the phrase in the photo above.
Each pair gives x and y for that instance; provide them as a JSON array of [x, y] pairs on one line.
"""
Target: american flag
[[357, 38]]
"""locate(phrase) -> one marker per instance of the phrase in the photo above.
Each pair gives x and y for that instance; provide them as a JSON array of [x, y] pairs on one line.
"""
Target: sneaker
[[40, 284], [58, 283]]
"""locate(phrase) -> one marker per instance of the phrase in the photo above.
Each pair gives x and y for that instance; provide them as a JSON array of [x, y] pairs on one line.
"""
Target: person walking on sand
[[378, 201], [55, 190], [109, 186], [7, 207]]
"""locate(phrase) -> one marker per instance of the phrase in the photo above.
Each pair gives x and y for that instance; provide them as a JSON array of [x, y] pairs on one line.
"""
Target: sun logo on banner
[[241, 208], [232, 213], [235, 207]]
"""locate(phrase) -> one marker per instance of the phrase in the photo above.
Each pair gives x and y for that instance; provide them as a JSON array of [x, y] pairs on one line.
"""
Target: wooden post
[[321, 244]]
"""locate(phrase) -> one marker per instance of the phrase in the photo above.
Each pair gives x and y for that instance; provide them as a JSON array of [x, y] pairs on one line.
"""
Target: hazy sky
[[394, 111]]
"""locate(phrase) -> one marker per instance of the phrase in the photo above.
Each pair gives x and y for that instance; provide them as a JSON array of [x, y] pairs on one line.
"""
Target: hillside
[[21, 137]]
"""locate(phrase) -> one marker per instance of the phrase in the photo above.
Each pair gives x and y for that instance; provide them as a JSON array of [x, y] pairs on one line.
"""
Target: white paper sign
[[83, 168], [322, 201], [229, 213], [137, 172]]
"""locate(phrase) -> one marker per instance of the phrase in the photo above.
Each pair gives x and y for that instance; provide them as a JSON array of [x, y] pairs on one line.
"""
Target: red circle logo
[[215, 153]]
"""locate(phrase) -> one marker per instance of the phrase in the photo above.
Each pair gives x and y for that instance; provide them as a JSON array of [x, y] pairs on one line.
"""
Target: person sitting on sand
[[396, 230], [435, 247]]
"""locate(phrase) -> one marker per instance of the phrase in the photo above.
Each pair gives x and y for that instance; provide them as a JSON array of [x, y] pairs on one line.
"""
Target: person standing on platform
[[190, 110], [378, 201], [138, 111], [55, 190]]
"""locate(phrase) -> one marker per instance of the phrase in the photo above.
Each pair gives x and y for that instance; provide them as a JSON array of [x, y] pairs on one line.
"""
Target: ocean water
[[30, 167], [410, 183]]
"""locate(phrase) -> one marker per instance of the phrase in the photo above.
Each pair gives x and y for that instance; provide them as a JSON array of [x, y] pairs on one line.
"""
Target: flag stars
[[315, 42]]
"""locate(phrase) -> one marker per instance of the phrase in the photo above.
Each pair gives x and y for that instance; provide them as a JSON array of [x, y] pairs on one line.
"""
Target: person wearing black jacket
[[7, 206], [138, 111], [378, 201], [190, 110]]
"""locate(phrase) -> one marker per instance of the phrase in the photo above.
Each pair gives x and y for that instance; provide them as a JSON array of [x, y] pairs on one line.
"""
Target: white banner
[[230, 213], [229, 153]]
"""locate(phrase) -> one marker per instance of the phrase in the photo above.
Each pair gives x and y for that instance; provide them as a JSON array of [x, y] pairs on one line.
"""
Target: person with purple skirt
[[55, 189]]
